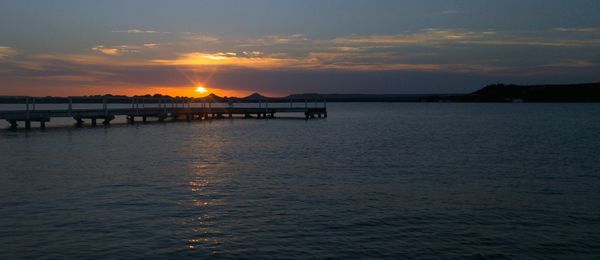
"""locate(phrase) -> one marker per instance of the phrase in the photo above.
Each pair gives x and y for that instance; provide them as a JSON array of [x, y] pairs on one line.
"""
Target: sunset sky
[[281, 47]]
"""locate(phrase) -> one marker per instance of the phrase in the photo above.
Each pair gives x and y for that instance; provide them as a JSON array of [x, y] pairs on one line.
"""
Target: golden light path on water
[[204, 230]]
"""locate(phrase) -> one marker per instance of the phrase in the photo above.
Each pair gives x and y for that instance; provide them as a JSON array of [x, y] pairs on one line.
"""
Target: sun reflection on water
[[203, 243], [204, 229], [197, 185], [200, 166]]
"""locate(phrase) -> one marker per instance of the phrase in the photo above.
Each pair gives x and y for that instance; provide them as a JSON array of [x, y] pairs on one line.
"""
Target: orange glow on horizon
[[198, 91], [173, 91]]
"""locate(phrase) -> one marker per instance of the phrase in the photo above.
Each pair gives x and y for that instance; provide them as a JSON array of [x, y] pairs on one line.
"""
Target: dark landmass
[[589, 92]]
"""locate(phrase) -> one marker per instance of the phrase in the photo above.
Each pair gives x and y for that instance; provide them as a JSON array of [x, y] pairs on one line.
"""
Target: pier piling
[[78, 122]]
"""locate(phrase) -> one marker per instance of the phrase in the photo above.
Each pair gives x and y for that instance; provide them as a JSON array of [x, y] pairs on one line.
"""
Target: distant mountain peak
[[212, 95], [255, 95]]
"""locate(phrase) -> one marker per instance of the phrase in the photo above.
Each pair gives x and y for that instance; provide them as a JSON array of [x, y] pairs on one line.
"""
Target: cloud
[[432, 51], [271, 40], [539, 42], [151, 45], [427, 50], [441, 37], [105, 50], [346, 49], [317, 61], [124, 48], [247, 59], [571, 63], [201, 38], [255, 70], [427, 37], [138, 31], [6, 52], [565, 29], [68, 78], [49, 62]]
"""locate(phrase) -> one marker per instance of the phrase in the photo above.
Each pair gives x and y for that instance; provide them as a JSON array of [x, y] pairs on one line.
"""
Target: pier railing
[[36, 109], [35, 103]]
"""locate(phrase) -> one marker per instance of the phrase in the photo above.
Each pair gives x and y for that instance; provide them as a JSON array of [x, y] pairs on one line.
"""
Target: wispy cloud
[[6, 52], [138, 31], [566, 29], [271, 40], [315, 61], [440, 37], [572, 63], [49, 62], [200, 37], [68, 78], [427, 37], [104, 50], [539, 42], [151, 45], [346, 49], [122, 49], [246, 59], [430, 50]]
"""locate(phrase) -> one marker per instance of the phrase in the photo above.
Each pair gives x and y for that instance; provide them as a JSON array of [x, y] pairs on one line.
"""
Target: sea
[[370, 181]]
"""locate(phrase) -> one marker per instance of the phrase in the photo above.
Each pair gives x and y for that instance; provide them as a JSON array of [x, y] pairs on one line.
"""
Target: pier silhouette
[[161, 109]]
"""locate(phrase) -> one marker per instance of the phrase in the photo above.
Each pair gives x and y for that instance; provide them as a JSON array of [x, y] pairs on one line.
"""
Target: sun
[[201, 89]]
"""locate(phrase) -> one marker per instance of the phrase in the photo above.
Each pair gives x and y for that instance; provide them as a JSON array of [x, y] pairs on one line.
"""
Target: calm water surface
[[371, 181]]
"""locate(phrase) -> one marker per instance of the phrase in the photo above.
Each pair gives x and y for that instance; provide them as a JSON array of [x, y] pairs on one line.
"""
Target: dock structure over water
[[157, 109]]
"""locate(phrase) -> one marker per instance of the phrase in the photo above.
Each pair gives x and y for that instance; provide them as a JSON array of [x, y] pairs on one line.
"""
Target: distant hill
[[589, 92], [213, 98], [255, 97]]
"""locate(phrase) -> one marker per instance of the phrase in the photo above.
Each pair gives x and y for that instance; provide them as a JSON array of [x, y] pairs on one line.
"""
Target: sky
[[280, 47]]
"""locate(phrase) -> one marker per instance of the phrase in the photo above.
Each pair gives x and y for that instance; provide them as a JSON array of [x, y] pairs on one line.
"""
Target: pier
[[156, 109]]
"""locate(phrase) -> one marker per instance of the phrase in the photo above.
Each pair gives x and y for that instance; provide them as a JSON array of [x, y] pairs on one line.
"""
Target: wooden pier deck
[[162, 112]]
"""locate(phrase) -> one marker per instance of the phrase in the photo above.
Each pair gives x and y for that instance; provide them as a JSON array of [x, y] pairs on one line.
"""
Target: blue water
[[375, 180]]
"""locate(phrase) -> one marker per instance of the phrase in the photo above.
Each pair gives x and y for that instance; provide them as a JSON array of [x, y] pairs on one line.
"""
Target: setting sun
[[201, 89]]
